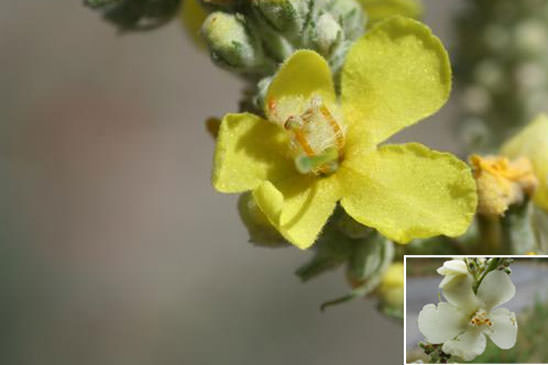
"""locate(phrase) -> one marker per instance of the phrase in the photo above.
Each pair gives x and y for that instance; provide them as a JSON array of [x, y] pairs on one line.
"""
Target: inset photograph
[[476, 309]]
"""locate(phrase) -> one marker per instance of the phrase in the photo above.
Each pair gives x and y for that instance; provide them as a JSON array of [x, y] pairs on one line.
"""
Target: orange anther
[[339, 137]]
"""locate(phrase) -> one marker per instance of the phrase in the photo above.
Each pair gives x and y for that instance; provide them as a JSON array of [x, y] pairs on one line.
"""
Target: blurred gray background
[[114, 248]]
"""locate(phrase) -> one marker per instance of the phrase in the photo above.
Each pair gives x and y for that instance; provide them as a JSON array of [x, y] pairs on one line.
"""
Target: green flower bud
[[349, 14], [230, 43], [390, 291], [286, 16], [329, 34]]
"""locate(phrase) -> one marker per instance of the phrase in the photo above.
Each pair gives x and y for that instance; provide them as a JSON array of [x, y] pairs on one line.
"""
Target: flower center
[[480, 318], [316, 133]]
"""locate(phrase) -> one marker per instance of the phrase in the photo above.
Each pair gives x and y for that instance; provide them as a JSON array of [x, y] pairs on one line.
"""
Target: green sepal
[[540, 226], [518, 236], [366, 265], [439, 245], [331, 251]]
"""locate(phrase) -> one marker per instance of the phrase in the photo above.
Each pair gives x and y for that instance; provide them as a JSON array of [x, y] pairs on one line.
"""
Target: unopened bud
[[350, 15], [285, 15], [329, 34], [390, 290], [230, 43]]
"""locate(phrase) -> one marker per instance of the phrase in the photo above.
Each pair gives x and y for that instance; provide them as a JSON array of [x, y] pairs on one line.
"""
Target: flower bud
[[390, 290], [350, 15], [457, 283], [230, 43], [451, 270], [286, 16], [329, 34]]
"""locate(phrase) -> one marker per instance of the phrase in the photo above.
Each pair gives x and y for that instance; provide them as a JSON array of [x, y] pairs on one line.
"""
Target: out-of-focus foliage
[[136, 15], [501, 64], [532, 143]]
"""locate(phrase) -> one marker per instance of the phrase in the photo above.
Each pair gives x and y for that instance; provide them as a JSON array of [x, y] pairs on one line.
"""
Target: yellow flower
[[393, 278], [390, 289], [310, 154], [501, 182], [532, 143]]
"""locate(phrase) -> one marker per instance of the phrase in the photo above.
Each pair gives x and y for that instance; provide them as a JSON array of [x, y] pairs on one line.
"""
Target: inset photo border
[[482, 309]]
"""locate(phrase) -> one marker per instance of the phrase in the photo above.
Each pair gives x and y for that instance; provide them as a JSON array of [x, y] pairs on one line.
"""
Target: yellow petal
[[249, 150], [298, 207], [192, 18], [379, 9], [409, 191], [303, 75], [532, 143], [394, 76]]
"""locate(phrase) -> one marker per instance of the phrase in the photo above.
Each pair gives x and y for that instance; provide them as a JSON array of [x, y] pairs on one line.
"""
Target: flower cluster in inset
[[473, 289]]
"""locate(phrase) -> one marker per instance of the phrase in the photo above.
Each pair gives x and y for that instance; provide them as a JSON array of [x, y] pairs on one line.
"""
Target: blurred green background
[[114, 248]]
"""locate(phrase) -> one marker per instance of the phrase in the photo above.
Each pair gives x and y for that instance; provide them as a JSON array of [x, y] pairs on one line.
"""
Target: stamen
[[325, 162], [480, 318], [316, 135], [300, 137], [339, 135]]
